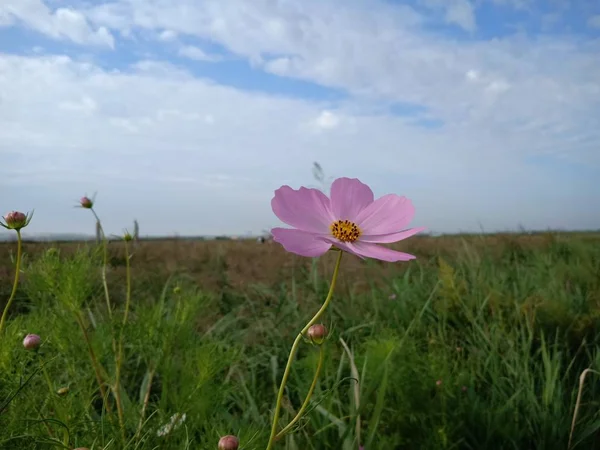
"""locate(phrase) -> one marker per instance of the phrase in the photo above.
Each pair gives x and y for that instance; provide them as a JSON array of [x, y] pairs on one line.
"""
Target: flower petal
[[375, 251], [391, 237], [300, 242], [305, 209], [349, 196], [346, 247], [386, 215]]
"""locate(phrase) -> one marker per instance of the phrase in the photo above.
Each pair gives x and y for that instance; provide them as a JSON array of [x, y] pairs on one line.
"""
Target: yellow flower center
[[345, 231]]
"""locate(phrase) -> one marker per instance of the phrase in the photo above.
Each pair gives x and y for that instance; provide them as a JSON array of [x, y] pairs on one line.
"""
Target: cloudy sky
[[188, 114]]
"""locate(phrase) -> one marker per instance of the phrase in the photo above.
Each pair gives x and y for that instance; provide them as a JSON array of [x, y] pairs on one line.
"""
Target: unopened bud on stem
[[229, 442], [15, 220], [86, 203], [32, 341], [317, 333]]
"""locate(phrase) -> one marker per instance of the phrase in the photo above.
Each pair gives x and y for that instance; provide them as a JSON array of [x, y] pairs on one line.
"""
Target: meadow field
[[479, 343]]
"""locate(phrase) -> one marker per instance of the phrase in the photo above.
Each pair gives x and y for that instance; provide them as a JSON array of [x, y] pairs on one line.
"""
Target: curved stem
[[308, 395], [15, 283], [104, 264], [55, 405], [95, 364], [286, 372], [119, 362], [128, 282]]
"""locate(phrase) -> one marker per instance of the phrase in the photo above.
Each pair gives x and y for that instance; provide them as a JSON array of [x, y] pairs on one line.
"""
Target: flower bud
[[229, 443], [86, 203], [15, 220], [317, 333], [127, 237], [32, 341]]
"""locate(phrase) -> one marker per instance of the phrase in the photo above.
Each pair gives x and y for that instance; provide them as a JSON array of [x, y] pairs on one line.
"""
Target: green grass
[[505, 331]]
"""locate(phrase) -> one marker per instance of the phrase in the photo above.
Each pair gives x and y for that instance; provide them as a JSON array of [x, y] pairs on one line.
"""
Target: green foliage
[[482, 348]]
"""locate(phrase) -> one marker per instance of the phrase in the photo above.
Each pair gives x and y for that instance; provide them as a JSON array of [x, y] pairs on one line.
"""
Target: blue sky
[[188, 114]]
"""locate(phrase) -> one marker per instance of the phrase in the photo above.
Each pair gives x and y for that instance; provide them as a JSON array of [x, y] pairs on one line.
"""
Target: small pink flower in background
[[86, 203], [15, 220], [392, 297], [438, 383], [351, 220], [32, 341]]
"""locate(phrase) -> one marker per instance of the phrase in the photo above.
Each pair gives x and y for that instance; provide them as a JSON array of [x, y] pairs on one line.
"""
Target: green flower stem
[[57, 409], [119, 356], [16, 282], [294, 349], [308, 395], [105, 263], [95, 364]]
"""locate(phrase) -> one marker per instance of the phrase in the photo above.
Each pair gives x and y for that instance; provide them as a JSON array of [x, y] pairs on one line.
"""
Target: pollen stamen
[[345, 231]]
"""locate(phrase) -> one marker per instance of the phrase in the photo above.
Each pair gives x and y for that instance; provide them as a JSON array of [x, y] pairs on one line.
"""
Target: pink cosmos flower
[[350, 220]]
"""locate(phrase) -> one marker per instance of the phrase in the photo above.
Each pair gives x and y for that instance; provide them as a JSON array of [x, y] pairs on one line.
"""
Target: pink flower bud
[[317, 333], [229, 442], [32, 341], [15, 220], [86, 203], [438, 383]]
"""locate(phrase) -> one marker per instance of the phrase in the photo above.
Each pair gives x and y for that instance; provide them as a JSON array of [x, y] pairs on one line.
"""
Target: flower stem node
[[229, 442], [317, 333], [32, 342], [15, 220]]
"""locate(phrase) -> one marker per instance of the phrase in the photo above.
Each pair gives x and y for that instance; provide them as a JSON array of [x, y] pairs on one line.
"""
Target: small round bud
[[176, 290], [63, 391], [86, 203], [317, 333], [15, 220], [127, 237], [32, 341], [229, 443]]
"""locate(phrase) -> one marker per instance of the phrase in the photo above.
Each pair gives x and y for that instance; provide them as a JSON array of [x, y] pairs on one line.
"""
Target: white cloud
[[167, 35], [197, 54], [327, 120], [458, 12], [166, 137], [461, 12], [63, 23], [85, 105]]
